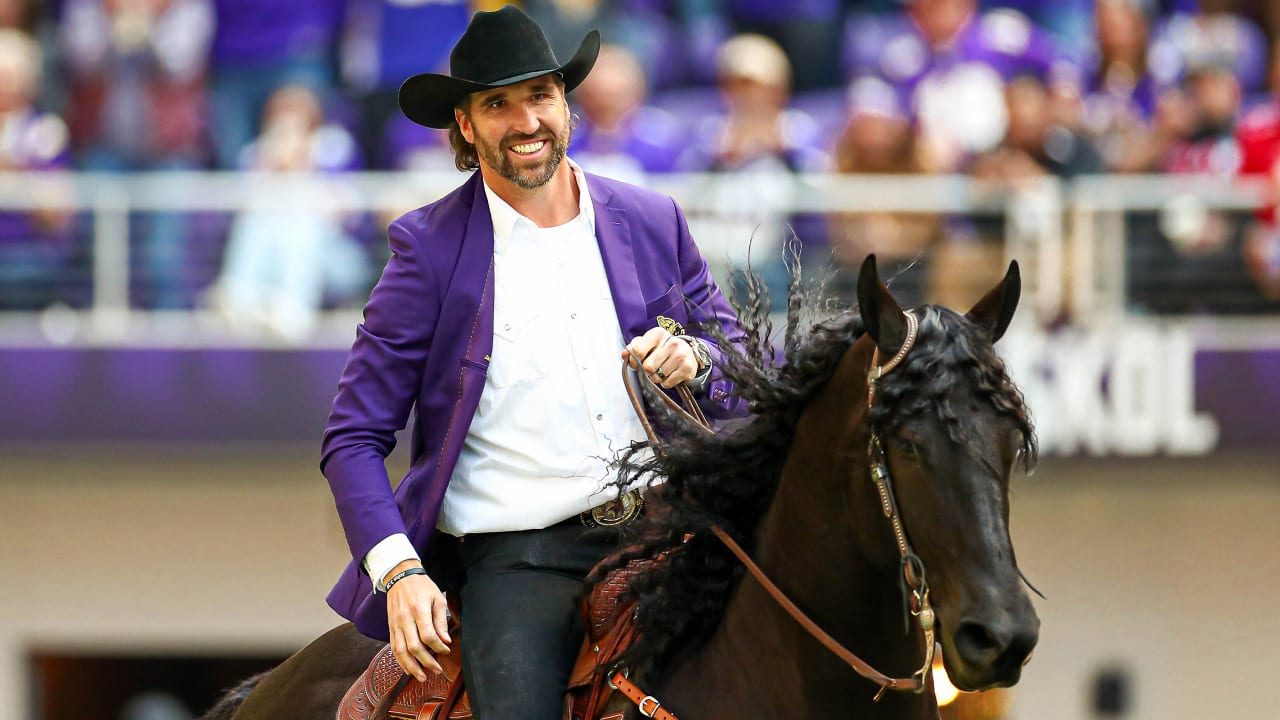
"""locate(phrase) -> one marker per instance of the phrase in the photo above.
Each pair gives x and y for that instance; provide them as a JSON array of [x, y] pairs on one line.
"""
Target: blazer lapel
[[613, 233], [475, 273]]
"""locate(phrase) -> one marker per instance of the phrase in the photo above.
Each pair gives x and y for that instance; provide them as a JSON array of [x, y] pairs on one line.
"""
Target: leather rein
[[916, 589]]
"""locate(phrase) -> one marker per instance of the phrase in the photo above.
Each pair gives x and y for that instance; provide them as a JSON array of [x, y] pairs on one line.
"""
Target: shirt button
[[584, 367], [600, 416], [507, 326], [573, 316]]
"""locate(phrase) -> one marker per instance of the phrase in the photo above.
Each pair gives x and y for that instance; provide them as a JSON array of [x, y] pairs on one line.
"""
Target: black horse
[[797, 486]]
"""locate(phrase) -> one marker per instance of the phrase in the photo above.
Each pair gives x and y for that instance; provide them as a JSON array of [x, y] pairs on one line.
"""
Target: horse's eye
[[908, 448]]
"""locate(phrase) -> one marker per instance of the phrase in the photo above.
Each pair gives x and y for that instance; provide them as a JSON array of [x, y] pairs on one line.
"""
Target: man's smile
[[528, 148]]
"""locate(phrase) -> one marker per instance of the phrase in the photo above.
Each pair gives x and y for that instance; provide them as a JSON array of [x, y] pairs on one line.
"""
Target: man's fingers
[[655, 354], [642, 349], [422, 654], [657, 350], [440, 616], [675, 370], [427, 629], [408, 663]]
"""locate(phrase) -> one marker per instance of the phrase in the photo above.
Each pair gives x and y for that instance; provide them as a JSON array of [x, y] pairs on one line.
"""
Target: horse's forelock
[[952, 354]]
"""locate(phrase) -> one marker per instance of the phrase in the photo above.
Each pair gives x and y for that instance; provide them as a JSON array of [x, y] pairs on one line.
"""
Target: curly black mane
[[729, 479]]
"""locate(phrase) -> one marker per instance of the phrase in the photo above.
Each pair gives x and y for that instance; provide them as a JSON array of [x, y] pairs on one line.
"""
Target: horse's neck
[[824, 543]]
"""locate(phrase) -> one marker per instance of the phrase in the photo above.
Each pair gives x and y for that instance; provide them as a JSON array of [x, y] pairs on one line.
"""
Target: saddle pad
[[418, 700]]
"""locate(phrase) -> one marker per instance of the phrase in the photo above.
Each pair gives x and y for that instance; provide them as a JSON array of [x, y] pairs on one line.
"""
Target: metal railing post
[[1083, 235], [110, 311]]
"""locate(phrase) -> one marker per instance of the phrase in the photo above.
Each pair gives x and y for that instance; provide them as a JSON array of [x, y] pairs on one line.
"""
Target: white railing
[[1069, 236]]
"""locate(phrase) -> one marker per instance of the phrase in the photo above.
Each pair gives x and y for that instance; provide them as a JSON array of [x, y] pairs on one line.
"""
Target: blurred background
[[193, 202]]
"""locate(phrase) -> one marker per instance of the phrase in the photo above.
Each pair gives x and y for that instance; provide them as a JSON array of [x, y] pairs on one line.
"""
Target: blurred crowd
[[1004, 90]]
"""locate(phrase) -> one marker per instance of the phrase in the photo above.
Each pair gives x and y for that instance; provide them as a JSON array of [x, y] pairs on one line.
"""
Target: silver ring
[[661, 375]]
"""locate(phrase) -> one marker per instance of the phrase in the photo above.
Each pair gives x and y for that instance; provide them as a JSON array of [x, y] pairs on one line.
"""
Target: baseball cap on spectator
[[755, 58]]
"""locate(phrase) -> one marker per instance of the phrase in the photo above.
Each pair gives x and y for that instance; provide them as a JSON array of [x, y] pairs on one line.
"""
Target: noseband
[[914, 587]]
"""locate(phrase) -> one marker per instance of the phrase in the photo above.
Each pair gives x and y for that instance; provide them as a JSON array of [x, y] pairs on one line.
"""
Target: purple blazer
[[425, 344]]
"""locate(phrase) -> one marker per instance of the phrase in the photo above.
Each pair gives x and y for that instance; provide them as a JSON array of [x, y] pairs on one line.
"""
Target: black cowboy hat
[[499, 48]]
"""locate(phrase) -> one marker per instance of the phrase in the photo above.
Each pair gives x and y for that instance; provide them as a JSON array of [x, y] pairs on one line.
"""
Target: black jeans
[[521, 619]]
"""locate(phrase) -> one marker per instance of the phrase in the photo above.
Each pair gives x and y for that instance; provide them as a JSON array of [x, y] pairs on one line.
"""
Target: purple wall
[[218, 396]]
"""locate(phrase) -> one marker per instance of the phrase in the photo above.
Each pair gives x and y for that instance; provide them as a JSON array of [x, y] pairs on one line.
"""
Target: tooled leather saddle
[[385, 692]]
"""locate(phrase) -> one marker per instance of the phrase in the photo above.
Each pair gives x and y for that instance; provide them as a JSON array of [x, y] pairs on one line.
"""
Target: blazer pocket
[[669, 303]]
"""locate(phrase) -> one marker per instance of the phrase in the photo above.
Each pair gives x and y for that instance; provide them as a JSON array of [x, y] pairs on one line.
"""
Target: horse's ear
[[995, 309], [881, 315]]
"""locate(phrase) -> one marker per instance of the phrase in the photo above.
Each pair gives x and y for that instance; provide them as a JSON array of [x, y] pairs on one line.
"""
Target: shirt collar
[[505, 218]]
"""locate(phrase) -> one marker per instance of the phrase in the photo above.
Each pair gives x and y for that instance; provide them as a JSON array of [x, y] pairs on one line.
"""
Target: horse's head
[[953, 428]]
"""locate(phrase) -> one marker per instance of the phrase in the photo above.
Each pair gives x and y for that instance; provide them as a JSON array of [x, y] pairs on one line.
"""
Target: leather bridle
[[915, 587]]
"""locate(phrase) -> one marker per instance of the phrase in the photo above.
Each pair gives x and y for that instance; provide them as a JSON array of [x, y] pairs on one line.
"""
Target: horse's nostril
[[977, 641]]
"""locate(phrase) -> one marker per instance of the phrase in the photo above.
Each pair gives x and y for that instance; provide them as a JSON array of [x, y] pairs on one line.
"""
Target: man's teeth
[[527, 148]]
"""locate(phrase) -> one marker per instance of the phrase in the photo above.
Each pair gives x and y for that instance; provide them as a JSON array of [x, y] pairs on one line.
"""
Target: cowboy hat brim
[[429, 98]]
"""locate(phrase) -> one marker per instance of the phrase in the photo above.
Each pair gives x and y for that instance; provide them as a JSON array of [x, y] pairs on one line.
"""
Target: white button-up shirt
[[554, 412]]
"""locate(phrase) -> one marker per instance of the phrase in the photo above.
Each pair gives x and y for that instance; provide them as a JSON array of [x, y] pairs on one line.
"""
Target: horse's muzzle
[[991, 652]]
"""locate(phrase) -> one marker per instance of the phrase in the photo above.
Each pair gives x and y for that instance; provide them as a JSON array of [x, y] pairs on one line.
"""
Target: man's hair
[[465, 156]]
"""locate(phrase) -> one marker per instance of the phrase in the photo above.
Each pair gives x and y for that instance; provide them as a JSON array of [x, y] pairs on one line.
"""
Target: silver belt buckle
[[618, 511]]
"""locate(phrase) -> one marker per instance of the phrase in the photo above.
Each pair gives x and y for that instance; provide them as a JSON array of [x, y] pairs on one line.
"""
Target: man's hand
[[659, 354], [417, 617]]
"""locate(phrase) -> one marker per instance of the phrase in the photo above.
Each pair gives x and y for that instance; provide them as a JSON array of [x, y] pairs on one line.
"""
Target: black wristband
[[404, 574]]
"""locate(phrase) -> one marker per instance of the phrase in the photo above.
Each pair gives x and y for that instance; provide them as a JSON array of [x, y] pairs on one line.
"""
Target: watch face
[[702, 352]]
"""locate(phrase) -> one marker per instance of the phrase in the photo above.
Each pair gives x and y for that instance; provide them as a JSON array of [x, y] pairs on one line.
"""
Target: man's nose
[[526, 120]]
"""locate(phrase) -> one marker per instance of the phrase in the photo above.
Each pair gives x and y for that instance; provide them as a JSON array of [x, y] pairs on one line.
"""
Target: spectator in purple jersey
[[1122, 95], [289, 250], [951, 64], [617, 135], [763, 144], [260, 46], [136, 72], [34, 243], [386, 41], [1068, 22]]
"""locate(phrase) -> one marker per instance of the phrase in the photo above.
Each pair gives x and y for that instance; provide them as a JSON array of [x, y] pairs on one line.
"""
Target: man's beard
[[497, 158]]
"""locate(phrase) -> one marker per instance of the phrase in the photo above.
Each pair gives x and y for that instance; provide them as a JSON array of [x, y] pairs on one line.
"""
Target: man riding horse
[[499, 320]]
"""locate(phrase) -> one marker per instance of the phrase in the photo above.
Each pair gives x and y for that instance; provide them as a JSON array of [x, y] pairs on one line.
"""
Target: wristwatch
[[701, 352]]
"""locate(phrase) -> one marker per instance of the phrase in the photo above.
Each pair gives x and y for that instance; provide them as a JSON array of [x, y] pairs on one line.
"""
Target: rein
[[913, 577]]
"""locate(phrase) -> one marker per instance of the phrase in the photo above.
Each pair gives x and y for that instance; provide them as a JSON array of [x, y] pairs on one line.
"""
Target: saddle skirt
[[384, 692], [384, 685]]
